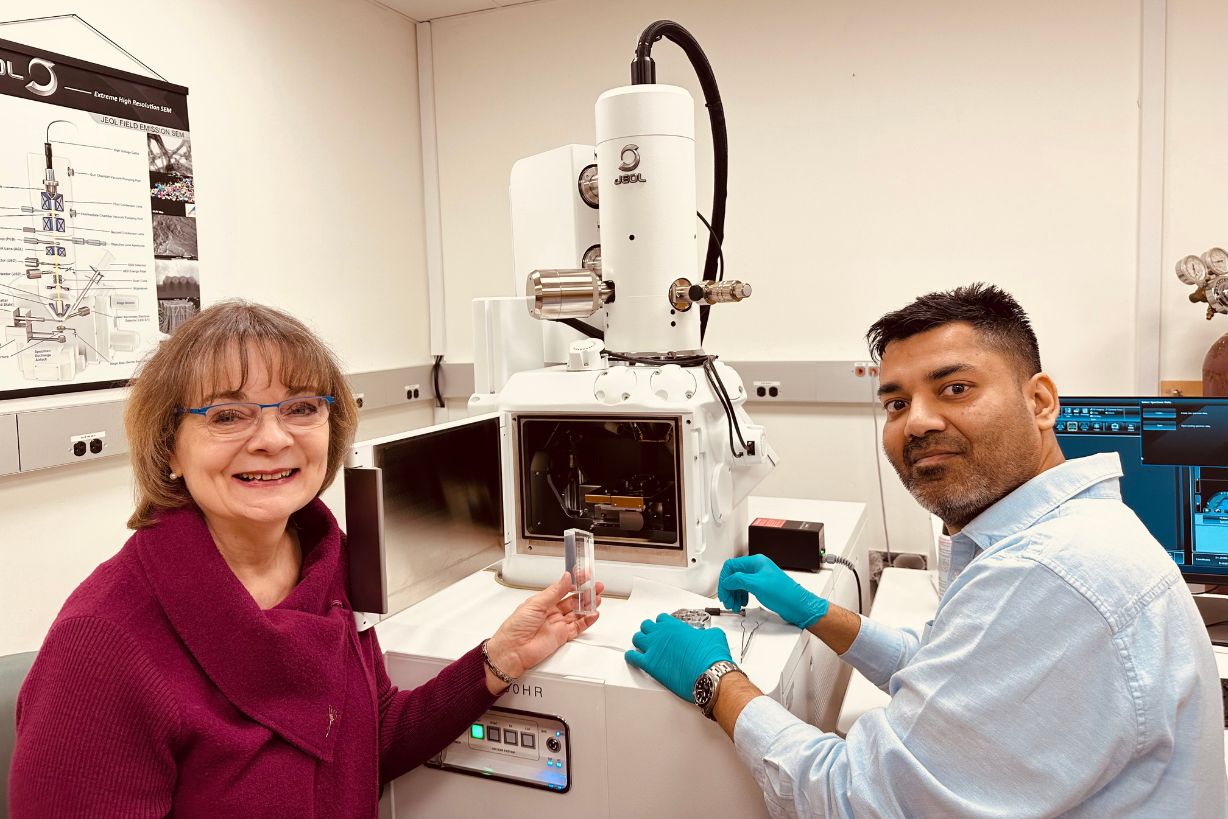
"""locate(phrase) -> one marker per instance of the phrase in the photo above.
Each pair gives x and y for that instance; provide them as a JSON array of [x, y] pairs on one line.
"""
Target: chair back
[[13, 670]]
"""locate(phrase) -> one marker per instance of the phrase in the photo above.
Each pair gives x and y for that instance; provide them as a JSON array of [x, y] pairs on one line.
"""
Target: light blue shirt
[[1066, 672]]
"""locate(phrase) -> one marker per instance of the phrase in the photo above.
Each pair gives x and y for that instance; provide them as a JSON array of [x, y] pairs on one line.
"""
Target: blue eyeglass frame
[[203, 410]]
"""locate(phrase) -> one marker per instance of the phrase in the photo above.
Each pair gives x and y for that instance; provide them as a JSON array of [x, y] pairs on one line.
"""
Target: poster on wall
[[98, 252]]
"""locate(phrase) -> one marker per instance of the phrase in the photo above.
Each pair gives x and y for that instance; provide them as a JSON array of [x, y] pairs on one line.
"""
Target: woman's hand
[[535, 630]]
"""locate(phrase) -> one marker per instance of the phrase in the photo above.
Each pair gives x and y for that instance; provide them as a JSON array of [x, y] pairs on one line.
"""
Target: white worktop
[[452, 620]]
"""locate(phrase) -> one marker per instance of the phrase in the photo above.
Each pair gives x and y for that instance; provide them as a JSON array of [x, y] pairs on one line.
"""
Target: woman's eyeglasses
[[236, 419]]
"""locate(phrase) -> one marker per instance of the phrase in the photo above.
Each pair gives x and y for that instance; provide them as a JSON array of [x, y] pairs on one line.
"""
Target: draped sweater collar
[[283, 667]]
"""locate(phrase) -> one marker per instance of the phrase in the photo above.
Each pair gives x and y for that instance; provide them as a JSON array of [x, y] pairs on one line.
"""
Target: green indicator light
[[477, 731]]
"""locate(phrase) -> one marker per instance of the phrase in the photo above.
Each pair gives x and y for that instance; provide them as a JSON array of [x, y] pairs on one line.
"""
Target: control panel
[[514, 746]]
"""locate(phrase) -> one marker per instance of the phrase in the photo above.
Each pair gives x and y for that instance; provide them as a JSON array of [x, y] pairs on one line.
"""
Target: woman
[[213, 667]]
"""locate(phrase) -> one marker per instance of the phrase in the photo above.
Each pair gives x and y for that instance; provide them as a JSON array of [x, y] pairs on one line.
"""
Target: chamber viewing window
[[616, 477]]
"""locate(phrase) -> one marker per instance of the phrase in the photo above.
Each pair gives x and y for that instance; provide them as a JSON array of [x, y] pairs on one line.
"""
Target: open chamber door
[[423, 509]]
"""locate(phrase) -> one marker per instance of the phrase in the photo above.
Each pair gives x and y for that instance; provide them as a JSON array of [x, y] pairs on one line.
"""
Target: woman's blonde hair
[[193, 363]]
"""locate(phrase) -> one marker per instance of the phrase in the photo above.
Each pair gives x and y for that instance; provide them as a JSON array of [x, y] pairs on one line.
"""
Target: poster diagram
[[98, 251]]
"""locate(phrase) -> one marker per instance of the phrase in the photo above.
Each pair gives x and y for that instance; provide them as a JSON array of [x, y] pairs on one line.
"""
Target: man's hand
[[536, 629], [676, 654], [777, 591]]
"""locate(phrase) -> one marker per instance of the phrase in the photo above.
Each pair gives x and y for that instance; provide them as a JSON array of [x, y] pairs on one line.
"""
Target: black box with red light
[[796, 545]]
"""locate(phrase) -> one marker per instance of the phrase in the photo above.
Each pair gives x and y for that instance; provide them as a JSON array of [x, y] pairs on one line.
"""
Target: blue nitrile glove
[[676, 653], [777, 591]]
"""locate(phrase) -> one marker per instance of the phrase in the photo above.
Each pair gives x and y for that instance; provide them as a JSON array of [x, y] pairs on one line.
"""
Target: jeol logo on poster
[[37, 66]]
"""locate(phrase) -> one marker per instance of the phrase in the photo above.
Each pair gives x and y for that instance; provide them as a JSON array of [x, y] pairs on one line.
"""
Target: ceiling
[[422, 10]]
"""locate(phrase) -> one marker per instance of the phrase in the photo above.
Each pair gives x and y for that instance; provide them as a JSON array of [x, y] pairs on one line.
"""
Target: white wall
[[304, 113], [304, 123], [1196, 163], [878, 150]]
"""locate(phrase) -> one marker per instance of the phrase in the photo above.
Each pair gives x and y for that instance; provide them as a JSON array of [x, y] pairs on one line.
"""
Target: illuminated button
[[477, 731], [494, 734], [549, 763], [528, 740], [509, 738]]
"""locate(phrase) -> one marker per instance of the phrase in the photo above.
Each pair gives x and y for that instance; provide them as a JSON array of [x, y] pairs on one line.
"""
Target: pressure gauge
[[588, 185], [1217, 295], [1192, 270], [1217, 260], [592, 259]]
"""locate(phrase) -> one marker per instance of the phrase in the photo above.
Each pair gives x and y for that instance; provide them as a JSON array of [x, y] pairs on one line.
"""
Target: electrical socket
[[358, 399], [766, 389], [412, 392], [861, 369]]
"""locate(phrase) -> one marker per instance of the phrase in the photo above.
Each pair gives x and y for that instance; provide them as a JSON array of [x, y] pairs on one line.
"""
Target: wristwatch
[[709, 683]]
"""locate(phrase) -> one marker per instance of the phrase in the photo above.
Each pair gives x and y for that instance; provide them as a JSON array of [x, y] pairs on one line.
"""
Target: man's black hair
[[993, 312]]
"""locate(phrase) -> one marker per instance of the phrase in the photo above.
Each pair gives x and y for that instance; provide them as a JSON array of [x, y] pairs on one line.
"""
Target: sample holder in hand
[[581, 563]]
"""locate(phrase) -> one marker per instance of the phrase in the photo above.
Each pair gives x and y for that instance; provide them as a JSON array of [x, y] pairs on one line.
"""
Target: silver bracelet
[[493, 668]]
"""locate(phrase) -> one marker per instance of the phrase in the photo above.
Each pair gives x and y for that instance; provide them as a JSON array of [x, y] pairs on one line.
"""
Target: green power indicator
[[477, 731]]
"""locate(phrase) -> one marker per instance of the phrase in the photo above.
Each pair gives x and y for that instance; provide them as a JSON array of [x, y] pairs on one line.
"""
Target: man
[[1067, 670]]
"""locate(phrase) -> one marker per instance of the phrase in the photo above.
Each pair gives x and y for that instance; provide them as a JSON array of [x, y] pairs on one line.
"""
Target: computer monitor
[[1174, 459]]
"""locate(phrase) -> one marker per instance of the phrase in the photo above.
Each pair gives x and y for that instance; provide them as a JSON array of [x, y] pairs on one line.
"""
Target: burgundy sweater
[[163, 688]]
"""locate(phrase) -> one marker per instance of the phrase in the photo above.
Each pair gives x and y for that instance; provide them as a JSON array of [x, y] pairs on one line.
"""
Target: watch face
[[703, 690]]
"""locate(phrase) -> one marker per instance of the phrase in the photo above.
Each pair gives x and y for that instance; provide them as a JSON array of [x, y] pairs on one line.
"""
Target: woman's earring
[[172, 476]]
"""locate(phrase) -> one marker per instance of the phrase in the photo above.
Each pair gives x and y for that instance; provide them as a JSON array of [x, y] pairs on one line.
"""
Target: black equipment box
[[791, 544]]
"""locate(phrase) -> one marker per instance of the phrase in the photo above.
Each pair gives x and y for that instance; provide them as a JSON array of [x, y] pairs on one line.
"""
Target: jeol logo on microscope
[[629, 161]]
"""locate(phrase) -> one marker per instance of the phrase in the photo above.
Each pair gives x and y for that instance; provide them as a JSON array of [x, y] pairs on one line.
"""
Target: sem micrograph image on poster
[[98, 241]]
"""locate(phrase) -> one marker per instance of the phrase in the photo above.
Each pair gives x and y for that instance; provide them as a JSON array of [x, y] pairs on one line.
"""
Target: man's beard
[[960, 488]]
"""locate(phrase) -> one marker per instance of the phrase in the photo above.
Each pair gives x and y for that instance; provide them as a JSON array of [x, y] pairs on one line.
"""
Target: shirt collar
[[283, 667], [1038, 497]]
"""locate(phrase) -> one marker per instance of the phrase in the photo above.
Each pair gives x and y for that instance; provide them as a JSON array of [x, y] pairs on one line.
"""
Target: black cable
[[729, 416], [436, 371], [728, 401], [720, 251], [695, 360], [848, 564], [718, 387], [643, 71], [708, 362], [878, 470], [581, 327]]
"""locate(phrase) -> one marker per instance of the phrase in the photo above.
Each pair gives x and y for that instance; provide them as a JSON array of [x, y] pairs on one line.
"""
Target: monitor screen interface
[[1174, 458]]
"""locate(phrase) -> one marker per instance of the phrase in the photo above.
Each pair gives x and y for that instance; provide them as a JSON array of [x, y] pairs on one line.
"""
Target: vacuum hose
[[644, 71]]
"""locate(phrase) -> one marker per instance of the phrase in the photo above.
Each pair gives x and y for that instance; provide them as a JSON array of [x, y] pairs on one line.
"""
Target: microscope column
[[646, 182]]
